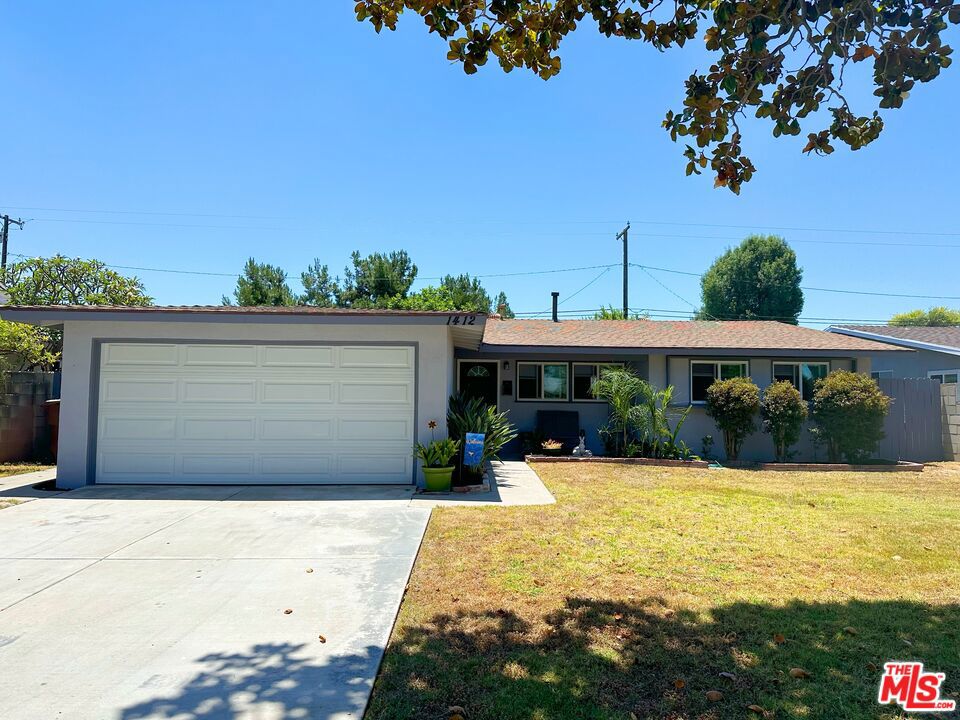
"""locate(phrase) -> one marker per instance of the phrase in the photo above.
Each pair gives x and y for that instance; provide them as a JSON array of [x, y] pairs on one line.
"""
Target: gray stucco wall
[[435, 368], [914, 364]]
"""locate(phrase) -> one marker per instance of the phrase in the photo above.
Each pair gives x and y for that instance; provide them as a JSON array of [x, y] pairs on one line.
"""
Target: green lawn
[[630, 596]]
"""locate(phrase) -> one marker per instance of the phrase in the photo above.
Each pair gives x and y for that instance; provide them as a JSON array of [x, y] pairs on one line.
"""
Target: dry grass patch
[[8, 469], [630, 596]]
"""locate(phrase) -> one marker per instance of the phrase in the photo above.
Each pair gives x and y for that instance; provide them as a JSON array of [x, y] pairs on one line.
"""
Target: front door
[[479, 379]]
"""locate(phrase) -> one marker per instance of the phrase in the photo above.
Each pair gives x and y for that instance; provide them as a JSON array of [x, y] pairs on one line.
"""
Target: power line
[[142, 212], [819, 289]]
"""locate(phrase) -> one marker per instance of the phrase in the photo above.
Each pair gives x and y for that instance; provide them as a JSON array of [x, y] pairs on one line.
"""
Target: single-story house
[[937, 349], [312, 395]]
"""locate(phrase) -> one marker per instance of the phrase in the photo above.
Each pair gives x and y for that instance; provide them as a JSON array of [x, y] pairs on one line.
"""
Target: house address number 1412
[[461, 319]]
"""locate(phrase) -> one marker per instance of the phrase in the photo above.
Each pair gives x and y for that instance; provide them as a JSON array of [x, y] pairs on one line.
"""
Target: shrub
[[472, 415], [783, 412], [849, 409], [733, 404]]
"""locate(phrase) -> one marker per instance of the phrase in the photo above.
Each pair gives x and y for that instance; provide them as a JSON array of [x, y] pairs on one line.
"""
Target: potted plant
[[436, 457]]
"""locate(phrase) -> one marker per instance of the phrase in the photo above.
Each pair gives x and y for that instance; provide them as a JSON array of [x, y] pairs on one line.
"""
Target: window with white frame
[[585, 376], [543, 381], [945, 376], [803, 375], [703, 373], [880, 374]]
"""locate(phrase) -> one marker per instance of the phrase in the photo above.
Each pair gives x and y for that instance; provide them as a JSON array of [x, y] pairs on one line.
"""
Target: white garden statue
[[581, 449]]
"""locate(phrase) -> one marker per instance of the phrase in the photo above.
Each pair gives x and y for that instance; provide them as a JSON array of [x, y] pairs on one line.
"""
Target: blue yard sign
[[473, 448]]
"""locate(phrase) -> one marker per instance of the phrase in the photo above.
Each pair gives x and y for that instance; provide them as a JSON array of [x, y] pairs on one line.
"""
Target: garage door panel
[[139, 390], [220, 355], [376, 357], [219, 391], [374, 430], [218, 429], [375, 393], [286, 429], [312, 465], [218, 464], [137, 464], [242, 413], [138, 428], [279, 356], [297, 392], [138, 354]]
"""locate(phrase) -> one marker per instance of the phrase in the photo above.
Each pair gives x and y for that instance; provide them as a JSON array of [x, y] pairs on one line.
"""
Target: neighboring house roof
[[762, 335], [937, 339]]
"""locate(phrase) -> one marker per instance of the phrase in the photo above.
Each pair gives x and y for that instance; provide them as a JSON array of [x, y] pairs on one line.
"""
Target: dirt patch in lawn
[[644, 589]]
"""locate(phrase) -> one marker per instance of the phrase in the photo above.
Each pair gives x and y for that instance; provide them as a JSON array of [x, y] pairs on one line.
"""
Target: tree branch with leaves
[[779, 60]]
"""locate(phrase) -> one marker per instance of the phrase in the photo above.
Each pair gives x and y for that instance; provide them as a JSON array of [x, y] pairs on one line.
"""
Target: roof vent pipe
[[555, 295]]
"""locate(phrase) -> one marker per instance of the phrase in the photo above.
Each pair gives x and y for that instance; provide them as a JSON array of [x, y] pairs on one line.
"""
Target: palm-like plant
[[640, 415], [621, 389]]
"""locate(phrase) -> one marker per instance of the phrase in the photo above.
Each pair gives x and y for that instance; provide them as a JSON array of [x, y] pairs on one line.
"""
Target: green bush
[[849, 409], [783, 412], [733, 404]]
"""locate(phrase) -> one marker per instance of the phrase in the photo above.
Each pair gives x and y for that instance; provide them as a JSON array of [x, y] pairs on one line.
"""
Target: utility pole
[[622, 235], [7, 222]]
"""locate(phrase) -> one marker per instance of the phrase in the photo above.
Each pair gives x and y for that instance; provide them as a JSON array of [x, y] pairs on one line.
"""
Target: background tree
[[502, 305], [375, 279], [261, 284], [934, 317], [758, 280], [58, 280], [612, 313], [780, 61], [319, 288]]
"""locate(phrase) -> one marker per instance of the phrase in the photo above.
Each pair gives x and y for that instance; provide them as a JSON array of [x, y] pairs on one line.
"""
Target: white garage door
[[214, 413]]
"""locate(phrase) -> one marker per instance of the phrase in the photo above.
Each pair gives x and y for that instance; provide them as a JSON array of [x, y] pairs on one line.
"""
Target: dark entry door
[[479, 379]]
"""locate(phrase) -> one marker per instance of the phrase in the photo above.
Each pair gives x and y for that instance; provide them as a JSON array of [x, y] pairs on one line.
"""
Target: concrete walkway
[[514, 483]]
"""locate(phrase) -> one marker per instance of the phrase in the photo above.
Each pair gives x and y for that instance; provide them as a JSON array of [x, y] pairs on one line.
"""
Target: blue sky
[[292, 131]]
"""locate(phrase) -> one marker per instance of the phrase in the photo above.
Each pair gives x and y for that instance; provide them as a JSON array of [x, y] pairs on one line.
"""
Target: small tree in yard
[[783, 412], [622, 390], [849, 409], [733, 405]]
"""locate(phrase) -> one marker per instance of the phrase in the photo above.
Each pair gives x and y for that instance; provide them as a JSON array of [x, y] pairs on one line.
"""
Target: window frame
[[943, 374], [797, 364], [573, 371], [540, 365], [716, 373], [880, 374]]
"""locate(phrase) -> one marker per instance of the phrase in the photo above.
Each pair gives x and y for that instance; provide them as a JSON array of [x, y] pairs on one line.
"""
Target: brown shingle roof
[[671, 334], [948, 337]]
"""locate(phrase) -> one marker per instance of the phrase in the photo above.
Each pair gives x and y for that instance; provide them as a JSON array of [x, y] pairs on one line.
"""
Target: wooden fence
[[913, 428]]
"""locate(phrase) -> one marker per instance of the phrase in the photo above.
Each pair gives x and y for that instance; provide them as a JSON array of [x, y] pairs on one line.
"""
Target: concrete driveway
[[153, 602]]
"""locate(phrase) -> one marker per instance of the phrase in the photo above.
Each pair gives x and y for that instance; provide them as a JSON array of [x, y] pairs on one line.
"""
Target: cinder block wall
[[950, 395], [24, 434]]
